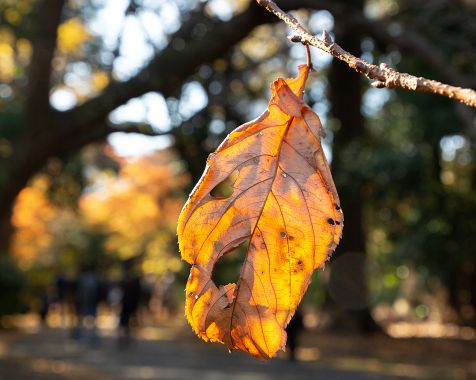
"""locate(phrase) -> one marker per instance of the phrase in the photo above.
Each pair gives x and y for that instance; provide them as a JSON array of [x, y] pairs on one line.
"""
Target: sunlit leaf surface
[[268, 187]]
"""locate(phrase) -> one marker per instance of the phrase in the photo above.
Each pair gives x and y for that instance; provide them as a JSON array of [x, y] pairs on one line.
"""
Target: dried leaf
[[269, 186]]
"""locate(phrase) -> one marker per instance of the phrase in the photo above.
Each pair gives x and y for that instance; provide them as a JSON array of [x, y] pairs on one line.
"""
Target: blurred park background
[[108, 111]]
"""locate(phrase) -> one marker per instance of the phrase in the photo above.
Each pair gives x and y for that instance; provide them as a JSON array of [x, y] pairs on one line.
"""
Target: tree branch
[[162, 74], [416, 43], [168, 70], [142, 128], [101, 131], [410, 40], [383, 75]]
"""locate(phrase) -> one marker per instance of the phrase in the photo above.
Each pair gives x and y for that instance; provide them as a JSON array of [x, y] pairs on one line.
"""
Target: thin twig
[[383, 75]]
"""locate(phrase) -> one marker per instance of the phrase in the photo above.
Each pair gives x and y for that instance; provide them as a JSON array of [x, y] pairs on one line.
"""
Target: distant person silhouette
[[165, 295], [61, 285], [88, 294], [47, 299], [294, 329], [131, 289]]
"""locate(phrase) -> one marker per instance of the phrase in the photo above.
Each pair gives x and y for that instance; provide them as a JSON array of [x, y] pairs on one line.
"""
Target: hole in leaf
[[228, 267], [225, 188]]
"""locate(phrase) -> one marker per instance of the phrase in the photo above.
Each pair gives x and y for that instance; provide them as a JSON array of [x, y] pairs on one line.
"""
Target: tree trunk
[[7, 200], [6, 229], [20, 169], [36, 139], [347, 285]]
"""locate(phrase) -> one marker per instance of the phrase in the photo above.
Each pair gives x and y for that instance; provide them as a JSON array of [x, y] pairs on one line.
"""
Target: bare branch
[[412, 41], [383, 75]]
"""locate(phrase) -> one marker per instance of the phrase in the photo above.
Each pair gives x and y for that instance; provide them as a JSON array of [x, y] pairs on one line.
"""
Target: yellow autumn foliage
[[24, 50], [32, 214], [99, 80], [137, 212], [135, 209], [7, 62], [71, 35]]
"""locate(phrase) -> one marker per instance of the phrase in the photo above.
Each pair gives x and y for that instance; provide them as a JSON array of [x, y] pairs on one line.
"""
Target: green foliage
[[419, 204], [11, 283]]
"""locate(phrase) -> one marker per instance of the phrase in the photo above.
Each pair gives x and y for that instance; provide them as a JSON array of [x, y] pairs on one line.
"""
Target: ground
[[168, 353]]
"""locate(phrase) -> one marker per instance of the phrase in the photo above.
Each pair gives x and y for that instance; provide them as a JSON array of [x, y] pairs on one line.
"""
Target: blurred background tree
[[109, 109]]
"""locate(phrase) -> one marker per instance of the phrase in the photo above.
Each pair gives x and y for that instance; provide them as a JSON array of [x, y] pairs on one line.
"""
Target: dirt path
[[51, 355]]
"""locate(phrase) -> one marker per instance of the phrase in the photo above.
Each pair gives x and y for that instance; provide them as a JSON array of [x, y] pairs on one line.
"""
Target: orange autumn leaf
[[282, 205]]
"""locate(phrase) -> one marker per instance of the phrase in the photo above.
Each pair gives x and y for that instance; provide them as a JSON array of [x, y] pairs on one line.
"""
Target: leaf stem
[[308, 56]]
